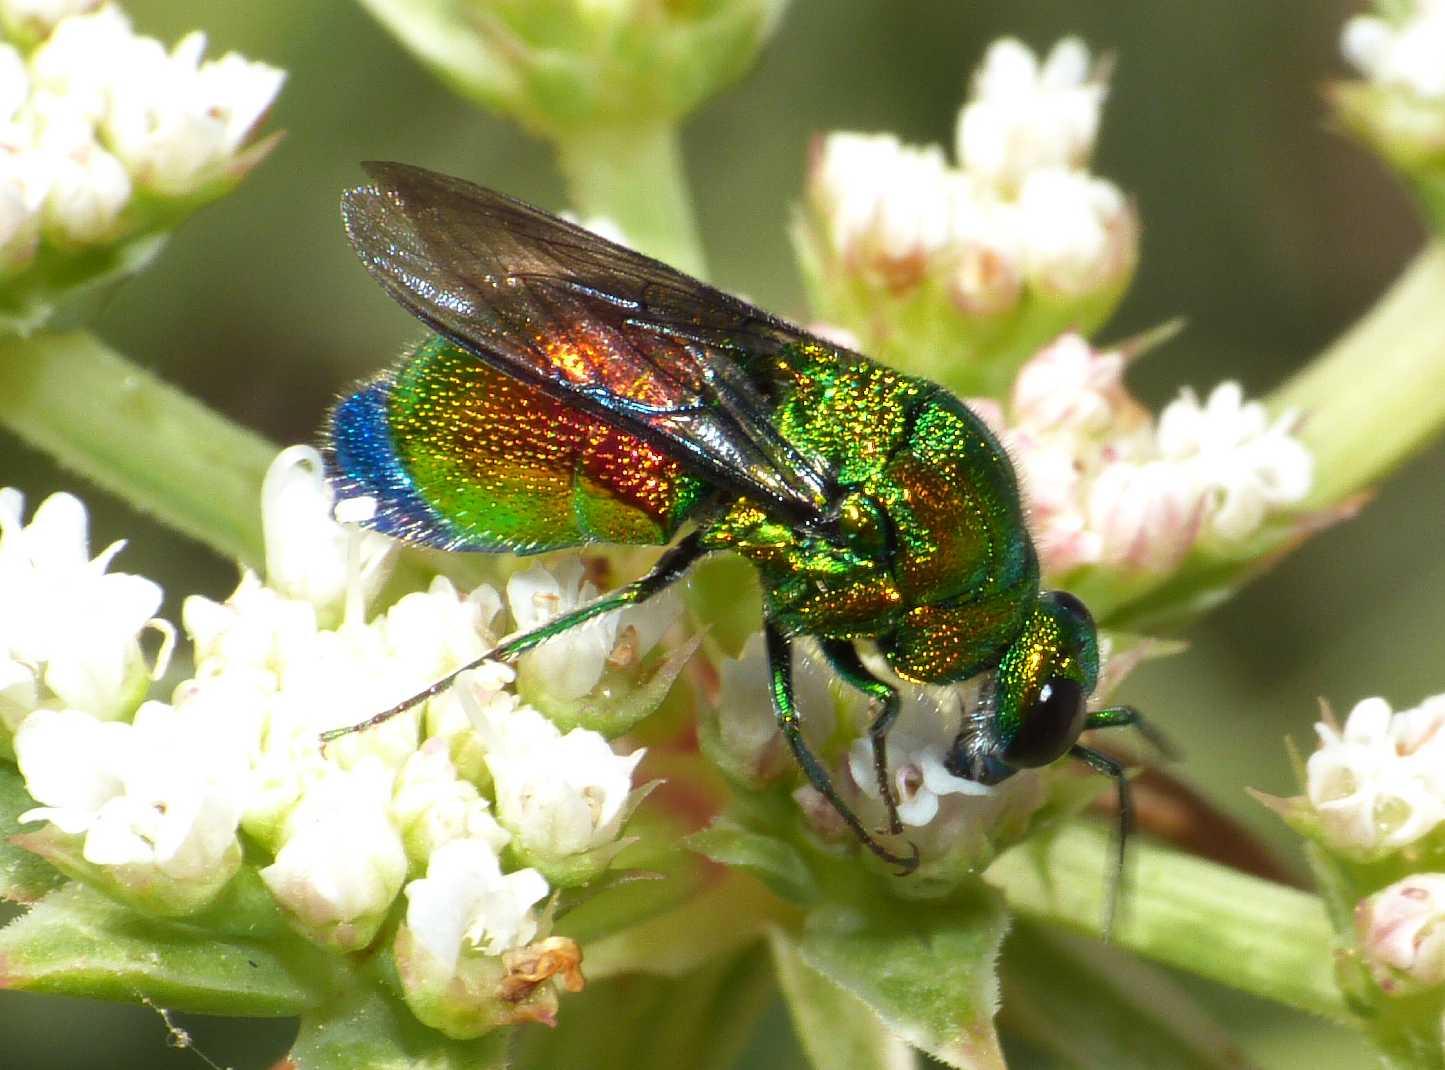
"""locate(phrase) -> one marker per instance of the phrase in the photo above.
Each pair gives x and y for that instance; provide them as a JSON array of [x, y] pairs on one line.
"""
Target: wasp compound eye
[[1049, 726]]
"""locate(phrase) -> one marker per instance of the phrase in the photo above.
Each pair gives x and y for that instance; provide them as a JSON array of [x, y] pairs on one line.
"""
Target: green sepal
[[365, 1027], [61, 290], [927, 970], [621, 700], [834, 1026], [1089, 1005], [24, 877], [776, 862], [76, 942], [1406, 129], [142, 886], [699, 1020]]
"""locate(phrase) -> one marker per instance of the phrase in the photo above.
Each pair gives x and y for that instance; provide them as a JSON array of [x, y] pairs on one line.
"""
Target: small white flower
[[466, 900], [1025, 117], [309, 555], [1070, 386], [986, 247], [886, 206], [1078, 231], [747, 729], [1145, 515], [433, 806], [1401, 933], [1247, 464], [14, 82], [916, 751], [159, 795], [558, 794], [69, 623], [83, 58], [36, 17], [569, 665], [1409, 53], [1371, 794], [88, 186], [342, 861]]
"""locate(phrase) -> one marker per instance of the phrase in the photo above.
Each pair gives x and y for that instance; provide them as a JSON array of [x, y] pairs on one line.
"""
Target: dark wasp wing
[[617, 334]]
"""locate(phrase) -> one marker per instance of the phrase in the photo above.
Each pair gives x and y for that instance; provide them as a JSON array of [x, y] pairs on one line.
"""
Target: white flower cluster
[[1020, 212], [94, 112], [1408, 53], [473, 805], [1107, 485], [1377, 786]]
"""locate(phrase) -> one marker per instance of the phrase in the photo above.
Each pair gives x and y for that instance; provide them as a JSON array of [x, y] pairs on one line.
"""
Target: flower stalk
[[1377, 394], [1250, 934], [117, 424], [632, 175]]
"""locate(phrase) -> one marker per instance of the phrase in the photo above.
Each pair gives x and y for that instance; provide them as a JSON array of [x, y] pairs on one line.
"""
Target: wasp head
[[1037, 703]]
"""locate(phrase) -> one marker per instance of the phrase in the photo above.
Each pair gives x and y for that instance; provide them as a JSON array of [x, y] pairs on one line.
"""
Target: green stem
[[145, 441], [633, 176], [1378, 394], [1247, 933]]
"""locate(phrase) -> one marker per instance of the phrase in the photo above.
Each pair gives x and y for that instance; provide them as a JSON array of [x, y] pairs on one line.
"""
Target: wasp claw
[[909, 864]]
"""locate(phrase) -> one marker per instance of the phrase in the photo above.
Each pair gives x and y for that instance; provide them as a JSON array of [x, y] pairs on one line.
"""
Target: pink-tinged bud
[[1401, 934]]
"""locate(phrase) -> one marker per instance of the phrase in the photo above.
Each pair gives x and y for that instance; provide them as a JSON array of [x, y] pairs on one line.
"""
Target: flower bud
[[1401, 933], [564, 798], [583, 63], [342, 861], [1399, 107]]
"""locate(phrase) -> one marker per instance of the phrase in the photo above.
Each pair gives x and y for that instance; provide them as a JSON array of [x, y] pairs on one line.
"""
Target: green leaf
[[1092, 1006], [775, 862], [24, 877], [925, 968], [699, 1020], [366, 1028], [835, 1027], [76, 942]]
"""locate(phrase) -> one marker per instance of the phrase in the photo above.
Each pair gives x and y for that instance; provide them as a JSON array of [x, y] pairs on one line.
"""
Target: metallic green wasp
[[578, 392]]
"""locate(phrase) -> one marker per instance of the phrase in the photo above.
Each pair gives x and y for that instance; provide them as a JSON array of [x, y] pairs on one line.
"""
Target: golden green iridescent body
[[935, 562]]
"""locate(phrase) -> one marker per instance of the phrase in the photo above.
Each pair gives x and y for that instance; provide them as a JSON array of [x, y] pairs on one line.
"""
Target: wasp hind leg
[[780, 687], [668, 570]]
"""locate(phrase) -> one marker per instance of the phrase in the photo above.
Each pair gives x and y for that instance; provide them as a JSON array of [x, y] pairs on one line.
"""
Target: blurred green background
[[1263, 227]]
